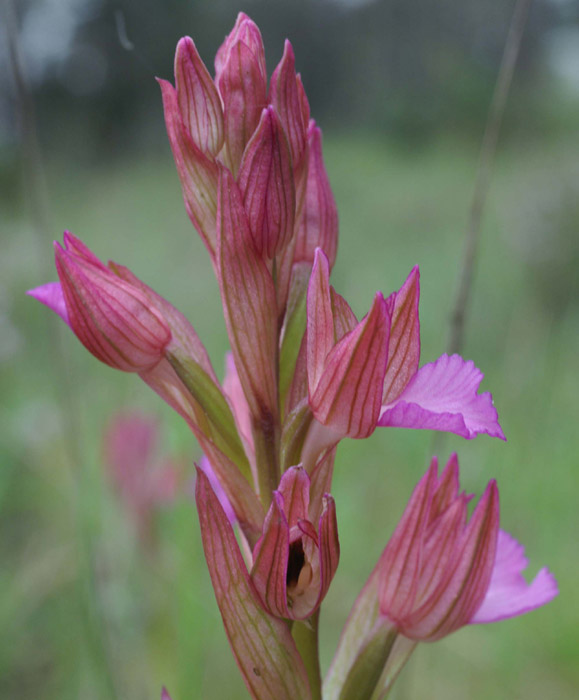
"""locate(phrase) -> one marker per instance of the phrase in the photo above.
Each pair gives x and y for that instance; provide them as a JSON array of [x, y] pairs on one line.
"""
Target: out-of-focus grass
[[86, 614]]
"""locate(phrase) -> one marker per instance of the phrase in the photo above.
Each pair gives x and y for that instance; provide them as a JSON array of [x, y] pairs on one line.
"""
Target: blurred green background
[[402, 91]]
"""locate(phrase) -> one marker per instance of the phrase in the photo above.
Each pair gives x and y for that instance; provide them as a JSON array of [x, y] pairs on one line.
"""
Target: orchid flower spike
[[440, 572]]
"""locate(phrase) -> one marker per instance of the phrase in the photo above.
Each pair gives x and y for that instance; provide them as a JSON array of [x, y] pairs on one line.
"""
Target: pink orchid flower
[[295, 560], [365, 374], [440, 572]]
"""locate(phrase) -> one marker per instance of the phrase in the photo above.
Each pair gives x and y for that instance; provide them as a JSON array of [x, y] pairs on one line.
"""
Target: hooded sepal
[[346, 377], [262, 644]]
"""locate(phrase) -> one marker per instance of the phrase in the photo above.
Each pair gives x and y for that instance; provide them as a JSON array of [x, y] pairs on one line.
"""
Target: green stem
[[399, 655], [366, 671], [305, 634], [266, 439]]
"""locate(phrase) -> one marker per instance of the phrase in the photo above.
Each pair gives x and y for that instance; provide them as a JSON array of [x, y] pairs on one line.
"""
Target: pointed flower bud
[[242, 81], [288, 99], [441, 395], [267, 186], [345, 374], [437, 569], [197, 172], [295, 560], [198, 99], [319, 221], [112, 318]]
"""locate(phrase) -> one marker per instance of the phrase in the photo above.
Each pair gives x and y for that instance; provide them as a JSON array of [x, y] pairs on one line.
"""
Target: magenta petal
[[51, 295], [443, 396], [508, 593], [165, 695]]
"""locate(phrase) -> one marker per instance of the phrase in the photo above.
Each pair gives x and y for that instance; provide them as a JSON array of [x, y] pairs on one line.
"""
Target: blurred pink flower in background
[[143, 480]]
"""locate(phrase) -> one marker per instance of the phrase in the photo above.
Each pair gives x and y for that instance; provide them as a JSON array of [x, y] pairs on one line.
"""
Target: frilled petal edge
[[442, 395]]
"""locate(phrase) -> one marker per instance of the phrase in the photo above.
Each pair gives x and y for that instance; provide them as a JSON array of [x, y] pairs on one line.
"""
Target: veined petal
[[348, 396], [462, 590], [508, 593], [247, 31], [443, 396], [197, 173], [262, 644], [249, 304], [267, 186], [198, 98], [320, 323], [404, 344], [51, 295], [284, 96]]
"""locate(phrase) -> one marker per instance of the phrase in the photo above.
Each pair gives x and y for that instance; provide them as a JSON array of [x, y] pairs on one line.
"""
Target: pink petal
[[165, 695], [51, 295], [508, 593], [443, 396]]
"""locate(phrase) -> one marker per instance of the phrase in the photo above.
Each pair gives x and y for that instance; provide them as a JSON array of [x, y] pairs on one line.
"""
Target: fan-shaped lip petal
[[442, 395], [509, 594]]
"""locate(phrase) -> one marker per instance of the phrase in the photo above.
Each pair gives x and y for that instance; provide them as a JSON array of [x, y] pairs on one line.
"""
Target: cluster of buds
[[303, 374]]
